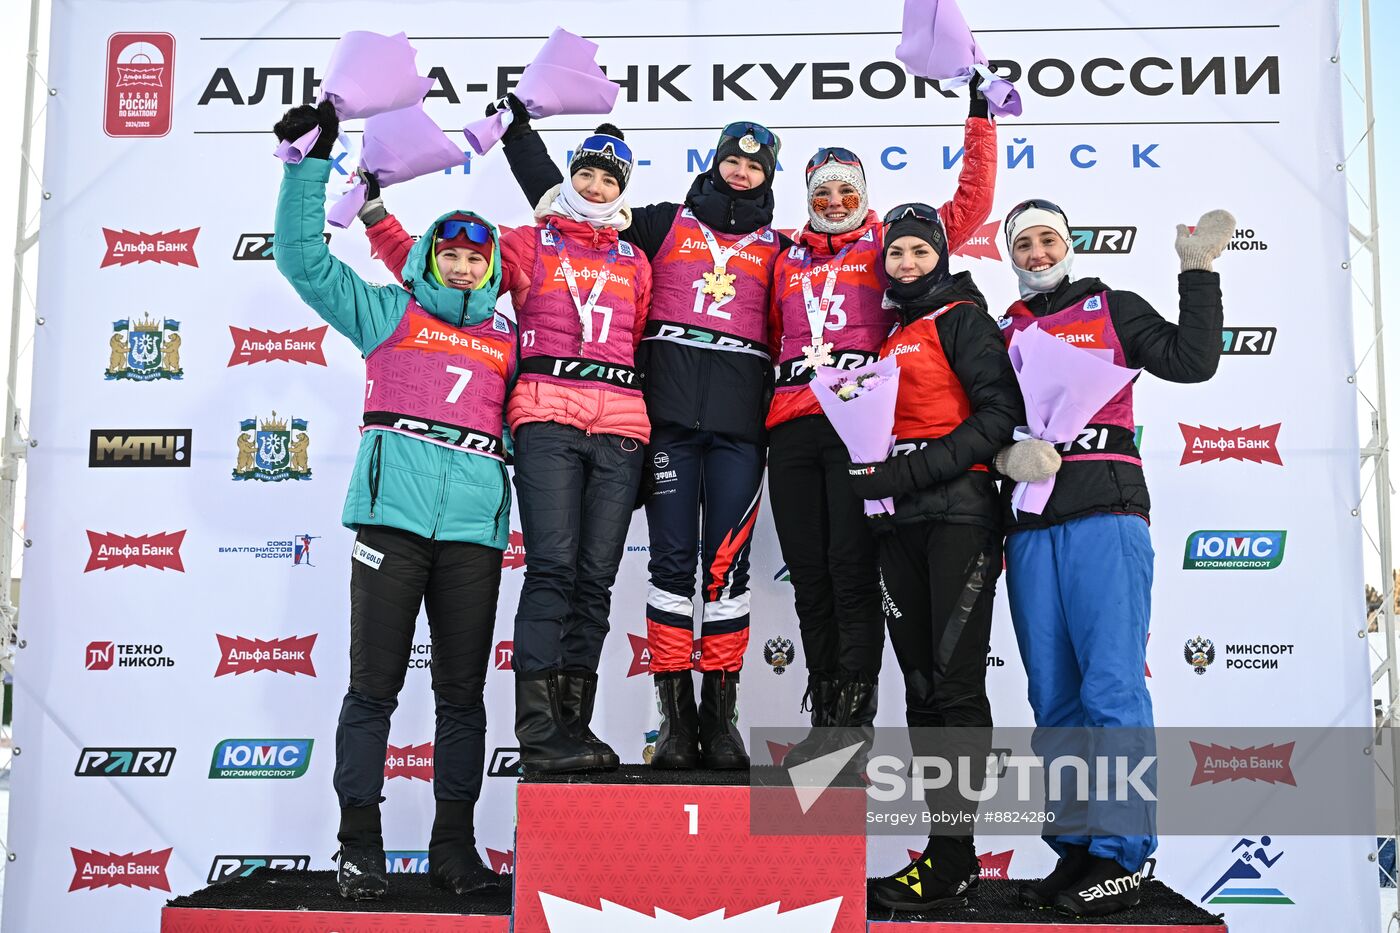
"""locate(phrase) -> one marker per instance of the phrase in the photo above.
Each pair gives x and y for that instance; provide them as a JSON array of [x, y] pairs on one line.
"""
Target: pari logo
[[228, 867], [103, 655], [1248, 341], [414, 762], [1103, 239], [1234, 550], [280, 759], [140, 84], [267, 452], [1252, 864], [239, 655], [258, 246], [505, 762], [982, 244], [160, 551], [1271, 764], [125, 762], [132, 870], [124, 247], [144, 350], [513, 558], [1258, 444], [267, 346], [140, 447]]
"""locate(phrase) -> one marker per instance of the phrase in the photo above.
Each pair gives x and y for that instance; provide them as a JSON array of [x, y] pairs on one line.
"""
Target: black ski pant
[[575, 492], [392, 574], [828, 548]]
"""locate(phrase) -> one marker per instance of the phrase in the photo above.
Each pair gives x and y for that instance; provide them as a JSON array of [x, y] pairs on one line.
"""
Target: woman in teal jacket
[[428, 498]]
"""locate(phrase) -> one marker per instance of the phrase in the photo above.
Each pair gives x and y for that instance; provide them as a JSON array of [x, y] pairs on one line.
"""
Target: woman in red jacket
[[828, 309], [579, 423]]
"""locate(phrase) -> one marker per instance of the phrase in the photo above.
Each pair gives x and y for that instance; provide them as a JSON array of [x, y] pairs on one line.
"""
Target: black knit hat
[[746, 140], [922, 221], [606, 150]]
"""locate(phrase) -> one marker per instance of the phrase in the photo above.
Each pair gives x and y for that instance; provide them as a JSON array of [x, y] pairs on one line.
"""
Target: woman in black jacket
[[940, 555]]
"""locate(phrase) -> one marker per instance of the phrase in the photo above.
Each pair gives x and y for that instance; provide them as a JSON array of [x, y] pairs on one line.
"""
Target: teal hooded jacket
[[399, 481]]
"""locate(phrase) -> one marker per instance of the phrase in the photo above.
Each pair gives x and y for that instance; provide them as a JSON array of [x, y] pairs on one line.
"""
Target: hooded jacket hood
[[953, 288], [456, 307]]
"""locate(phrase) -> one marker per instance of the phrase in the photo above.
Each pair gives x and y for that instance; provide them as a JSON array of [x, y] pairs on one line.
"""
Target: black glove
[[520, 117], [885, 480], [977, 104], [298, 121]]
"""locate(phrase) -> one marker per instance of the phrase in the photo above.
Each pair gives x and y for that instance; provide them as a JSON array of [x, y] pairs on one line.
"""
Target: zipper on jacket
[[375, 465], [505, 485], [442, 492]]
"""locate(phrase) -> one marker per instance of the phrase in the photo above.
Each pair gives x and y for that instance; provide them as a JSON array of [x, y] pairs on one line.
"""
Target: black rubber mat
[[995, 902], [268, 889]]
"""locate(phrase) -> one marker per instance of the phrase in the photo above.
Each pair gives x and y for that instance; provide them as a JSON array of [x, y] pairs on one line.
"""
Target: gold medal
[[719, 284]]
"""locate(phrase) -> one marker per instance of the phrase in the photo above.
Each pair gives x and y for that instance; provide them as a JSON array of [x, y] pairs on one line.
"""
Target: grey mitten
[[1028, 461], [373, 210], [1198, 249]]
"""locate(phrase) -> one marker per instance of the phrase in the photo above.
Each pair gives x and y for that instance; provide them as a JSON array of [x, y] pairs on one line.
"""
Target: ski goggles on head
[[832, 154], [1034, 204], [915, 211], [757, 131], [475, 232], [607, 146]]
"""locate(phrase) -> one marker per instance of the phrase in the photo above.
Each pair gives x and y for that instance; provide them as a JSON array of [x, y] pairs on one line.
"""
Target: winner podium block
[[637, 848]]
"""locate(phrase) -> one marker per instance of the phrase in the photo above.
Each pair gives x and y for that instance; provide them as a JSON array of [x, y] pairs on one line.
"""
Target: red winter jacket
[[961, 216]]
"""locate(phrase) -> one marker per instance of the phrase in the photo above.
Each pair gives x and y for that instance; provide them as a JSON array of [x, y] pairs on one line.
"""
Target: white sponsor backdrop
[[1268, 154]]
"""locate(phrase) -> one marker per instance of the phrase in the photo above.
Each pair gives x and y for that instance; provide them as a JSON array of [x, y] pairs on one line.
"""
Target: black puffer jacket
[[954, 370], [1188, 351], [703, 389]]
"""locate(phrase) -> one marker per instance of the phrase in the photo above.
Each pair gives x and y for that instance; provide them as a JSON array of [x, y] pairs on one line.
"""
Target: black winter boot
[[360, 872], [1068, 869], [821, 693], [678, 740], [853, 718], [546, 744], [937, 879], [1105, 888], [720, 741], [579, 688], [453, 862]]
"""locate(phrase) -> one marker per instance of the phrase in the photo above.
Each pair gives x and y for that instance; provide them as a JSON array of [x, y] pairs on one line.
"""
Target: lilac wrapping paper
[[397, 146], [564, 78], [370, 74], [865, 423], [937, 43], [1063, 387]]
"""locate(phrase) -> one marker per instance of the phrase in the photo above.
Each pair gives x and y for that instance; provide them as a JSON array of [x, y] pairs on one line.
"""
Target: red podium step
[[307, 902], [640, 847]]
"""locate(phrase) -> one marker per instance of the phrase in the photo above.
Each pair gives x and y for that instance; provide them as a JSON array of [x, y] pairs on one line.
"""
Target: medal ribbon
[[720, 255], [585, 311], [816, 311]]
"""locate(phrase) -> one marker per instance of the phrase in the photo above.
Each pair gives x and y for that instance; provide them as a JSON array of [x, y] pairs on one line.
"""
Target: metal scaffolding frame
[[1369, 378]]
